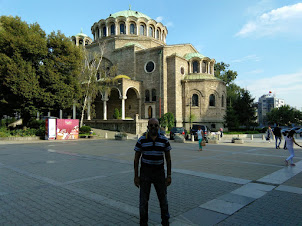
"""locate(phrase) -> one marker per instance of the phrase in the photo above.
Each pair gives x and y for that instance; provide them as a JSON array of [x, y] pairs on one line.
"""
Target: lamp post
[[190, 117]]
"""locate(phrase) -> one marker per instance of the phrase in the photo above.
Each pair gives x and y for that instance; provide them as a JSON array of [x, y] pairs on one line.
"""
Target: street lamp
[[190, 116]]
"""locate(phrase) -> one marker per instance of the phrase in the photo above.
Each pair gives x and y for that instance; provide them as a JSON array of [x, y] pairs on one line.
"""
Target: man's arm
[[168, 161], [136, 163]]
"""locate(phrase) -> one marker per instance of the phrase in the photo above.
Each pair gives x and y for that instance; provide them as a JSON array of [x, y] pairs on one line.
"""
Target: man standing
[[152, 148], [277, 133]]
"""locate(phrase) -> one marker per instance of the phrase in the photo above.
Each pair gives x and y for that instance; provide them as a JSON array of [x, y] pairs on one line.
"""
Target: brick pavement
[[90, 182]]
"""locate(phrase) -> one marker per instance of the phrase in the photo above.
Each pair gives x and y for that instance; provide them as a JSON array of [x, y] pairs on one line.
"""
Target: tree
[[284, 115], [95, 78], [22, 49], [167, 120], [244, 107], [61, 73], [231, 118]]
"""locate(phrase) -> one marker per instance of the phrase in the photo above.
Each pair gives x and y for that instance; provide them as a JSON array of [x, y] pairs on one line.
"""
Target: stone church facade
[[154, 78]]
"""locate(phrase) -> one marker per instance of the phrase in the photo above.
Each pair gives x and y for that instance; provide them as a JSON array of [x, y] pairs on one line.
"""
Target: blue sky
[[260, 39]]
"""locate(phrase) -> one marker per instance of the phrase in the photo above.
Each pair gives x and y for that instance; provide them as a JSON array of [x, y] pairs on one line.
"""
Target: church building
[[154, 78]]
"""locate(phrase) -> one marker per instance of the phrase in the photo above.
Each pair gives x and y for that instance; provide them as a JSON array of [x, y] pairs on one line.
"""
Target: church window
[[112, 29], [132, 29], [204, 67], [182, 70], [149, 67], [213, 126], [153, 94], [212, 100], [80, 41], [104, 32], [222, 101], [147, 95], [150, 32], [195, 100], [195, 66], [122, 28], [142, 30], [157, 34]]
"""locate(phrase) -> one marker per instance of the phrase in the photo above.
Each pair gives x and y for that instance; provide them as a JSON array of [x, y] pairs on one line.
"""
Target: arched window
[[132, 29], [222, 101], [122, 29], [153, 94], [112, 29], [150, 32], [104, 31], [142, 30], [147, 96], [195, 67], [195, 100], [212, 100], [157, 34], [204, 67]]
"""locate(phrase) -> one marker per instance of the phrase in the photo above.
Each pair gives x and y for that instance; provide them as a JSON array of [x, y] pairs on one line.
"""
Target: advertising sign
[[67, 129], [50, 129]]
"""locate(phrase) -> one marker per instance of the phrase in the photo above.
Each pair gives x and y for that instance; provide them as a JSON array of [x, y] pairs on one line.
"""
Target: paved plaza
[[90, 182]]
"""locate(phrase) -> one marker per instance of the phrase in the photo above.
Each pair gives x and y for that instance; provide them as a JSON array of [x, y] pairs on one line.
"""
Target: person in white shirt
[[200, 136], [290, 140]]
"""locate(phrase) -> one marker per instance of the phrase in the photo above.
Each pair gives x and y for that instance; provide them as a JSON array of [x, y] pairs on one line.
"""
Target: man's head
[[153, 126]]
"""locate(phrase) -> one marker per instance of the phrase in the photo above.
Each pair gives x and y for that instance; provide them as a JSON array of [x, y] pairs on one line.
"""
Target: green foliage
[[37, 73], [285, 116], [167, 120], [4, 132], [117, 114], [85, 129], [222, 72]]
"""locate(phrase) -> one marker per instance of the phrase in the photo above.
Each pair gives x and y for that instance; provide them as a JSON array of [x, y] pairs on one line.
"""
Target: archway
[[131, 104]]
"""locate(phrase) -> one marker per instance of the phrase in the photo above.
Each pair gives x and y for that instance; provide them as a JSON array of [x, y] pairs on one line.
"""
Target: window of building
[[195, 100], [132, 29], [104, 32], [153, 94], [150, 66], [80, 41], [204, 67], [182, 70], [212, 100], [157, 34], [150, 32], [142, 30], [213, 126], [195, 67], [147, 95], [112, 29], [122, 29], [222, 101]]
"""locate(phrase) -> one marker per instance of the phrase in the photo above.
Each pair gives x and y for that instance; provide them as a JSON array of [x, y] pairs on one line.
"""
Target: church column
[[190, 67], [105, 108], [123, 98], [140, 108], [107, 30], [200, 66], [208, 67], [127, 27]]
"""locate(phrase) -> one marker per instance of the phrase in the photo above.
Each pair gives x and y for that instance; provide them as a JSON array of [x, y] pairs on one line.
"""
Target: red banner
[[67, 129]]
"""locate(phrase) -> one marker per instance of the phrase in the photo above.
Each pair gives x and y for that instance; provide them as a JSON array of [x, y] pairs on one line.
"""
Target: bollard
[[106, 136], [263, 137], [127, 138], [192, 138], [252, 137]]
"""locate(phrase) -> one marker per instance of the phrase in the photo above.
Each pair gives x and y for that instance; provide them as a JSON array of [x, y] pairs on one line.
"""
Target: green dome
[[81, 34], [188, 56], [128, 13]]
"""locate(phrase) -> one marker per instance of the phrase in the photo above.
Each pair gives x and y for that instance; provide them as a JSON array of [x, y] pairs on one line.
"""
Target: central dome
[[129, 13]]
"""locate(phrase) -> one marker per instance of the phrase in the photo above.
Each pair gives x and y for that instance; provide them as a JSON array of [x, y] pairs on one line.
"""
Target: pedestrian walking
[[200, 136], [269, 133], [284, 135], [290, 140], [151, 149], [277, 133], [221, 132]]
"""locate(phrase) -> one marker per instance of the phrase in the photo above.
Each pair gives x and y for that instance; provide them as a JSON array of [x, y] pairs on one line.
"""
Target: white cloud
[[169, 24], [257, 71], [285, 20], [159, 19], [252, 57], [285, 86]]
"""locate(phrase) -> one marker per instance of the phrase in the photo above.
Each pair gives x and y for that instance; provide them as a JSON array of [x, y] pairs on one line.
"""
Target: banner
[[67, 129], [50, 129]]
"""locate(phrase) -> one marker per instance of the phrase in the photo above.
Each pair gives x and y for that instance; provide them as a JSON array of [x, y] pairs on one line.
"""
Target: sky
[[260, 39]]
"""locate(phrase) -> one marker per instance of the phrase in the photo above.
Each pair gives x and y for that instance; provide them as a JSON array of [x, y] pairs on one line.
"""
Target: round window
[[182, 70], [150, 66]]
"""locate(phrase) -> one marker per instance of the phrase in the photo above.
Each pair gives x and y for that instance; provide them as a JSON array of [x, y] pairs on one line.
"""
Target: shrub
[[85, 129]]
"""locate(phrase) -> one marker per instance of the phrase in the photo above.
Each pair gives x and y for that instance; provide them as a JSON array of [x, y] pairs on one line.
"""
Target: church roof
[[81, 34], [135, 44], [128, 13], [188, 56]]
